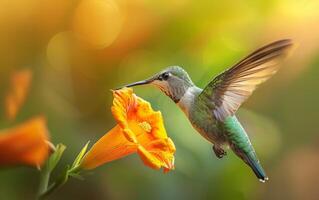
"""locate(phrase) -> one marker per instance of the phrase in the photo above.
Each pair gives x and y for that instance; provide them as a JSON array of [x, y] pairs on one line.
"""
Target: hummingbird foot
[[219, 152]]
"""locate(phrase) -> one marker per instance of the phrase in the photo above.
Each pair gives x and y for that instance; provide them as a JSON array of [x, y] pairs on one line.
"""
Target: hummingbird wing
[[227, 91]]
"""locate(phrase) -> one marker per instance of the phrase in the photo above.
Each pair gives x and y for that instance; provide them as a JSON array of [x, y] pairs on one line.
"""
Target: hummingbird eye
[[165, 76]]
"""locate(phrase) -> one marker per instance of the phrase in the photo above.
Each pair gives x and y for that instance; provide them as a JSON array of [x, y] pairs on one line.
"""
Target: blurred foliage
[[78, 50]]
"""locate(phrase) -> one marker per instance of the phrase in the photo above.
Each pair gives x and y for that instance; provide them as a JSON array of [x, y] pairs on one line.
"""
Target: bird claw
[[219, 152]]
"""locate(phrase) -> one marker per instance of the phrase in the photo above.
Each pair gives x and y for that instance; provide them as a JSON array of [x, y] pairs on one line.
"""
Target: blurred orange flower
[[19, 88], [25, 144], [140, 129]]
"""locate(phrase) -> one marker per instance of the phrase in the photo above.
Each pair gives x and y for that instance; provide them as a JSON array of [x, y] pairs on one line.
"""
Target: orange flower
[[139, 129], [19, 87], [25, 144]]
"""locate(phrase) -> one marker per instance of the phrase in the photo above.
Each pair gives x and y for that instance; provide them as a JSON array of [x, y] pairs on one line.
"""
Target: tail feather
[[249, 156], [254, 164], [241, 145]]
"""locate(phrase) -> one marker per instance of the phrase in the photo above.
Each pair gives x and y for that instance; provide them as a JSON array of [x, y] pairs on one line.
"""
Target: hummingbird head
[[173, 81]]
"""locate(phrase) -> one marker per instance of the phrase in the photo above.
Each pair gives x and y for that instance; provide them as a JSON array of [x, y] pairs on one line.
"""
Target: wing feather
[[231, 88]]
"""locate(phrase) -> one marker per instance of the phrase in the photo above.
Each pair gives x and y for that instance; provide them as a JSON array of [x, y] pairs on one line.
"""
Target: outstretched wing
[[227, 91]]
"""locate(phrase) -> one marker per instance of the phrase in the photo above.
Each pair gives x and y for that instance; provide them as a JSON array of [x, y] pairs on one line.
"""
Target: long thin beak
[[144, 82]]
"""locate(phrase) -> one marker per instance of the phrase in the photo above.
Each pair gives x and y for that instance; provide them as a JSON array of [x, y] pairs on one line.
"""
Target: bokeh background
[[78, 50]]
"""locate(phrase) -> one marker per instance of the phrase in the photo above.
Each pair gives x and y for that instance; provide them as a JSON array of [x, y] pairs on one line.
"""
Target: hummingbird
[[211, 110]]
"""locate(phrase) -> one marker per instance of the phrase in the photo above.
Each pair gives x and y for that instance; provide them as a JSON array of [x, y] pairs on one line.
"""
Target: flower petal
[[128, 107], [113, 145], [25, 144], [149, 159], [165, 145], [122, 103], [163, 150], [19, 87]]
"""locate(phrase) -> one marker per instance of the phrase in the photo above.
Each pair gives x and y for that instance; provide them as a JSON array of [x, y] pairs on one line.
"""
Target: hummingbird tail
[[241, 145], [254, 164]]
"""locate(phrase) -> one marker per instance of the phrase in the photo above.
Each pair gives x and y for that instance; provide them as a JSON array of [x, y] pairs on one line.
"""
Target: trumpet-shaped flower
[[139, 129], [25, 144]]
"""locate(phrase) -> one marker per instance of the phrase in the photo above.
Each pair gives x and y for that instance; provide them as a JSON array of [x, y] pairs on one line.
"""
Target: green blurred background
[[79, 50]]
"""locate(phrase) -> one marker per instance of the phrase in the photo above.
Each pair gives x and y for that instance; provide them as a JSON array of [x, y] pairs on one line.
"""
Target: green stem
[[54, 186], [44, 182], [60, 182], [73, 171], [49, 166]]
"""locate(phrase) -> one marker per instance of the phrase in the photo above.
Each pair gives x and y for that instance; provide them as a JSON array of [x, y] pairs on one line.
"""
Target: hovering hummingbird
[[211, 110]]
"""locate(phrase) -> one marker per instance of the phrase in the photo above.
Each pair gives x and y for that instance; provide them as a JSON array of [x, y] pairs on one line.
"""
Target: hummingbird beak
[[144, 82]]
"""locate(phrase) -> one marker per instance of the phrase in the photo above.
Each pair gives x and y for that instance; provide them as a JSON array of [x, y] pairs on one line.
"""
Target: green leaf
[[79, 157], [55, 157]]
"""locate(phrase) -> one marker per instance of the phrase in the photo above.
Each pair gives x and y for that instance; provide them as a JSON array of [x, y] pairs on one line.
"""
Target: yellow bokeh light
[[58, 50], [97, 22]]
